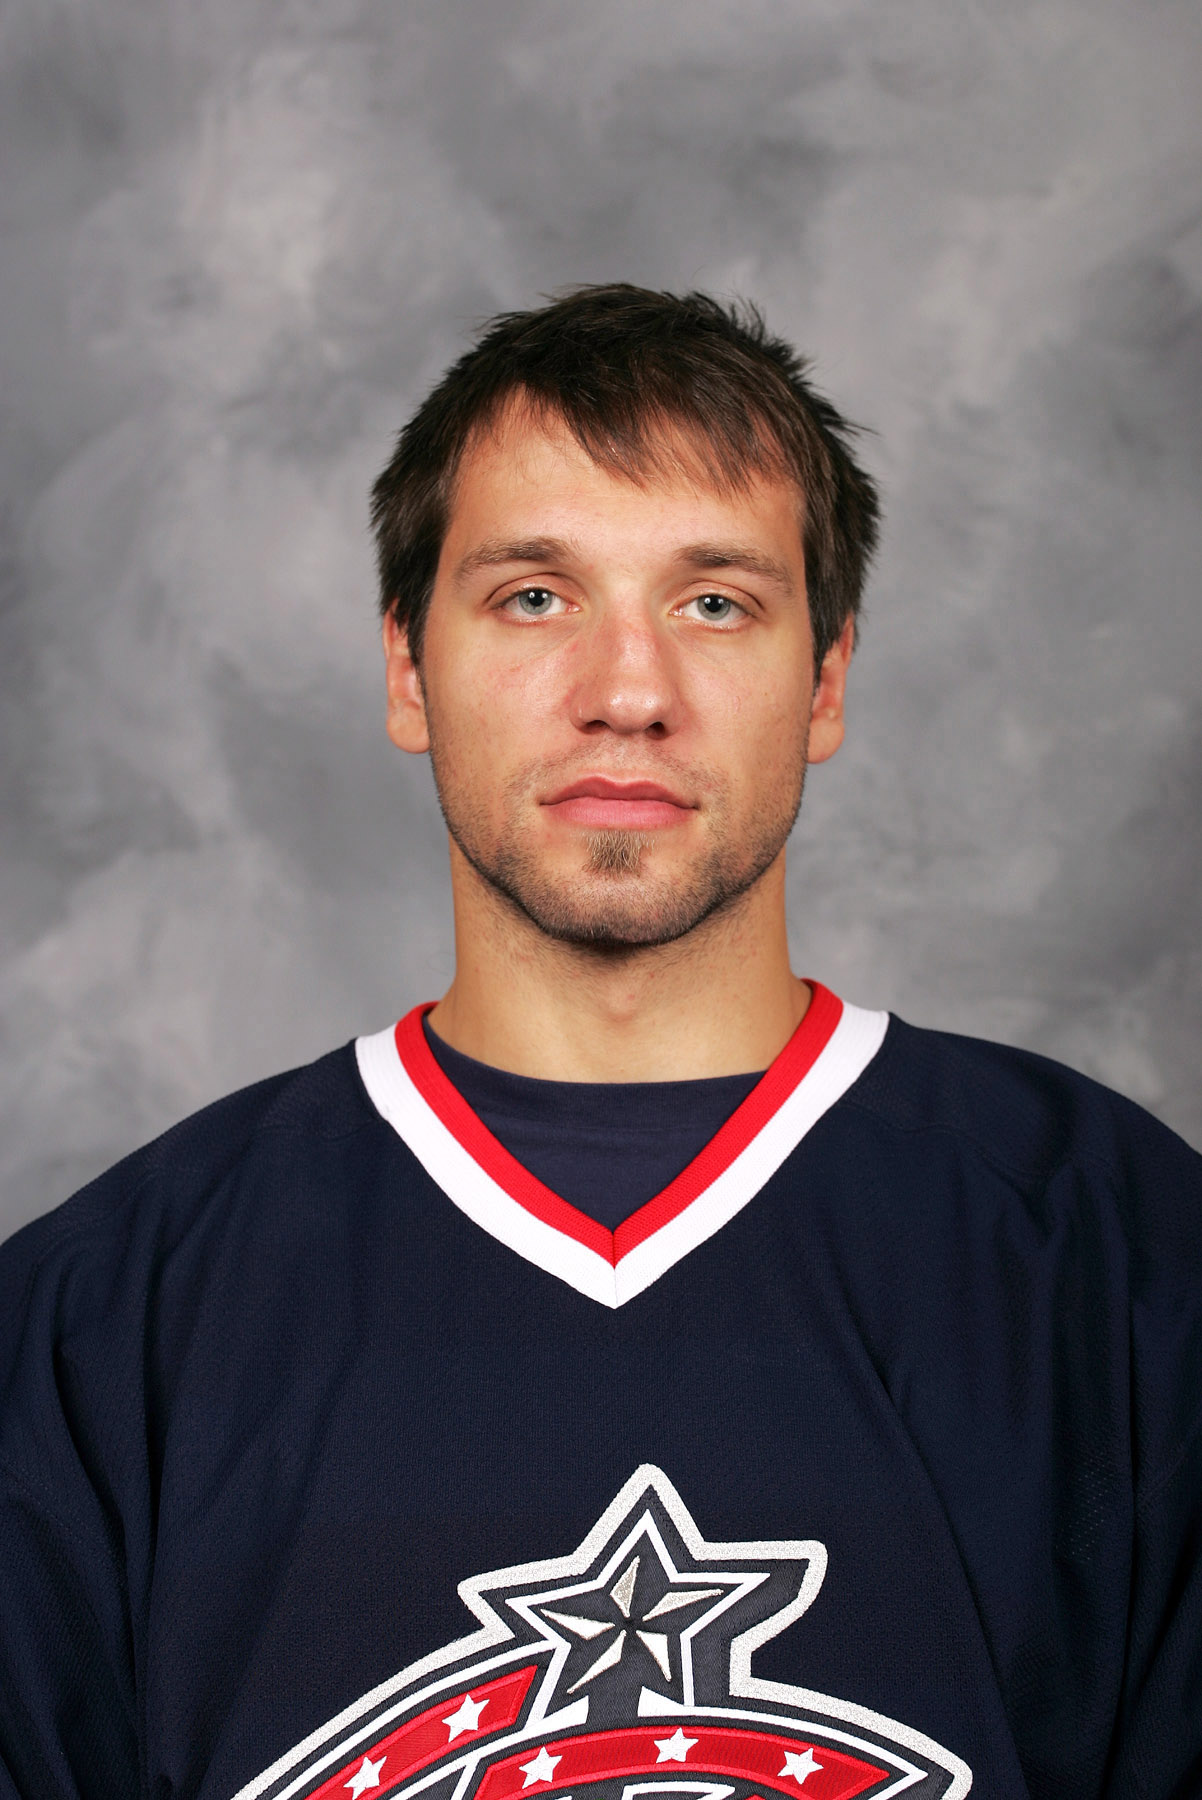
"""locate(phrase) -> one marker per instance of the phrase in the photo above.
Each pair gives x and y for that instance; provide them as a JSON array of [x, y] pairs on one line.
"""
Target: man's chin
[[615, 910], [617, 895]]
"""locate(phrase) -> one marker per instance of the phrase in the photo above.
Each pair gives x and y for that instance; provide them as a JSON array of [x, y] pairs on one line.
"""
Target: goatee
[[615, 852]]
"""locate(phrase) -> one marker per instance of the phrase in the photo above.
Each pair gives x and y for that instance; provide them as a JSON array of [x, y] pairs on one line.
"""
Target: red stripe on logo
[[765, 1099], [431, 1734], [786, 1765]]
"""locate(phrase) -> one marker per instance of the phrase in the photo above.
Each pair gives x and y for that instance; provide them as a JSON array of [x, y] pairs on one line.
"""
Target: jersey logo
[[619, 1672]]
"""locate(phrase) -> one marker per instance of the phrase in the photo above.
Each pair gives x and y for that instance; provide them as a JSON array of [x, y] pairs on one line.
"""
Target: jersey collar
[[833, 1044]]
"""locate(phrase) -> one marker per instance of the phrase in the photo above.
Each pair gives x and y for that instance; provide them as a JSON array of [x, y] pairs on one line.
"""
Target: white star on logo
[[800, 1766], [465, 1718], [367, 1775], [539, 1768], [675, 1748]]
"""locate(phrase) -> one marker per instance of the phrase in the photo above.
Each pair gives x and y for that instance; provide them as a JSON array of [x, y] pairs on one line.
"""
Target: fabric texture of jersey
[[341, 1456]]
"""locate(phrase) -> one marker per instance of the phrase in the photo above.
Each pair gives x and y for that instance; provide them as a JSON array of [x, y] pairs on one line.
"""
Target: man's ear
[[406, 717], [826, 713]]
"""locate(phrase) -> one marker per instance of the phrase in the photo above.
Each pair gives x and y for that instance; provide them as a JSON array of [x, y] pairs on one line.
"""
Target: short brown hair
[[623, 367]]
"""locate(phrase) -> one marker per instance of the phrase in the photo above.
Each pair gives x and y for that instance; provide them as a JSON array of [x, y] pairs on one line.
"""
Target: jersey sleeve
[[67, 1690], [1158, 1754]]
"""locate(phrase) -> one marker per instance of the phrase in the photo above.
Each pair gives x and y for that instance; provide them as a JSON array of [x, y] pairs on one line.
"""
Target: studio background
[[240, 242]]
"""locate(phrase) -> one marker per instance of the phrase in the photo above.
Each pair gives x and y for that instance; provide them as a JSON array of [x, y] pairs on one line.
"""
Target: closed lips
[[597, 803]]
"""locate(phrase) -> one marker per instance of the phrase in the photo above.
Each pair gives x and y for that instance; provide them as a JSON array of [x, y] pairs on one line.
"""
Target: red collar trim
[[765, 1099]]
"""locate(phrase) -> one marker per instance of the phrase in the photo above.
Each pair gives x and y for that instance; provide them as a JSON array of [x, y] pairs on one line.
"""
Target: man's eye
[[715, 609], [534, 603]]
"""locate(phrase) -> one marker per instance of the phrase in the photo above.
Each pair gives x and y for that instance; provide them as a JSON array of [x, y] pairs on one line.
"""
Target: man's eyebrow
[[495, 552], [737, 556]]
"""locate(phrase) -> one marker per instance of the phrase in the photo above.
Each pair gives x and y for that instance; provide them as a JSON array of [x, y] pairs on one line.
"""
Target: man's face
[[616, 686]]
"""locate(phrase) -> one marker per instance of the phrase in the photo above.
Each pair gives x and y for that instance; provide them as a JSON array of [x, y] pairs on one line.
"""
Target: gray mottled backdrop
[[240, 240]]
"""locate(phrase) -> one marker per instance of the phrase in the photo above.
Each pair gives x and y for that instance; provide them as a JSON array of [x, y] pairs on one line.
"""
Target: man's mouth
[[599, 803]]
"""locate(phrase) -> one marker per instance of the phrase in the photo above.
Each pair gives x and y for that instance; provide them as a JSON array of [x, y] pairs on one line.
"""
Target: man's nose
[[627, 681]]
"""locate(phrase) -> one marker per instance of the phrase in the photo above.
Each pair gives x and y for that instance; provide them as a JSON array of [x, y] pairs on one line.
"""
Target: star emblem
[[639, 1617], [465, 1717], [675, 1748], [367, 1775], [582, 1655], [799, 1764], [539, 1768]]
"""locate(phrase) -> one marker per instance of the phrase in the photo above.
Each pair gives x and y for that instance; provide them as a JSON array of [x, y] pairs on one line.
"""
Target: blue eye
[[716, 609], [534, 603]]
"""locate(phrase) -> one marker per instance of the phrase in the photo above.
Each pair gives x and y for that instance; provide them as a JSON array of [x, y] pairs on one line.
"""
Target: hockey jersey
[[341, 1457]]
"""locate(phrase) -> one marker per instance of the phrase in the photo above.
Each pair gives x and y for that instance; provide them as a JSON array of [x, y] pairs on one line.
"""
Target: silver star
[[799, 1766], [465, 1717], [539, 1768], [674, 1749], [367, 1775]]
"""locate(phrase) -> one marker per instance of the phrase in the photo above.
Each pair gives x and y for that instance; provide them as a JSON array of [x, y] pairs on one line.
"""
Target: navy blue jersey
[[341, 1456]]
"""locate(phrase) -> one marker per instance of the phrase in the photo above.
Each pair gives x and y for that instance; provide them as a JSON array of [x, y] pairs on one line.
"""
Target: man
[[641, 1373]]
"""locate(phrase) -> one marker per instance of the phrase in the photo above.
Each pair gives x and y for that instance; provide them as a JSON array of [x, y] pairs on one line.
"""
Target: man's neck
[[720, 1001]]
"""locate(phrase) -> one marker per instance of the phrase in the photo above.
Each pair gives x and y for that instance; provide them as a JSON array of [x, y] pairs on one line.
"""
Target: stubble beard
[[617, 901]]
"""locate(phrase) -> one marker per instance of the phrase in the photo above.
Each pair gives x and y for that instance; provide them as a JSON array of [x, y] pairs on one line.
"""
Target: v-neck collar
[[832, 1045]]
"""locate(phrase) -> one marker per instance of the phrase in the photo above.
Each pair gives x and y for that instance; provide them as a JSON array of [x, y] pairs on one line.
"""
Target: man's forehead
[[654, 450], [523, 469], [512, 510]]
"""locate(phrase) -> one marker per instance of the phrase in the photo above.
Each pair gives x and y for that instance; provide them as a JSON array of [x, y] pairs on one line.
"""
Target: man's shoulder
[[161, 1186], [1024, 1113]]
